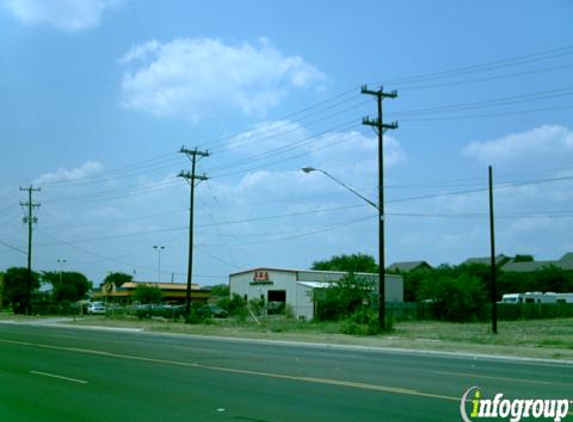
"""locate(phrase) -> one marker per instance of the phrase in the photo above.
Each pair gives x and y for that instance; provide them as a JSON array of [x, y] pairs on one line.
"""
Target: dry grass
[[548, 339]]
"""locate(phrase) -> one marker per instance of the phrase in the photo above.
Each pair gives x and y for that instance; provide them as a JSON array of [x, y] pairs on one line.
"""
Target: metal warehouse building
[[296, 287]]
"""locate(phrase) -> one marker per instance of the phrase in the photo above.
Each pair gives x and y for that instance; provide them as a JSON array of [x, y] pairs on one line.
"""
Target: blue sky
[[97, 97]]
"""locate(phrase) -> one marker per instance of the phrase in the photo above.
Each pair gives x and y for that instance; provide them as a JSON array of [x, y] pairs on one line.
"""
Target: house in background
[[172, 292], [406, 266], [500, 260], [565, 263]]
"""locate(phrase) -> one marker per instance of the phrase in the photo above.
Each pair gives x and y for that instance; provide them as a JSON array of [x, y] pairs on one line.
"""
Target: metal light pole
[[381, 274], [61, 262], [158, 248]]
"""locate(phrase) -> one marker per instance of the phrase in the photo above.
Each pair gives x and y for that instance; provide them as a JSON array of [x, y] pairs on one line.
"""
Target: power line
[[495, 102], [487, 78], [283, 149], [292, 157], [157, 163], [15, 248], [487, 66], [488, 115]]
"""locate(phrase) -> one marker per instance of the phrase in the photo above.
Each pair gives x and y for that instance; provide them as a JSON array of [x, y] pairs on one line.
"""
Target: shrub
[[195, 316], [342, 298], [459, 298], [363, 322], [236, 305]]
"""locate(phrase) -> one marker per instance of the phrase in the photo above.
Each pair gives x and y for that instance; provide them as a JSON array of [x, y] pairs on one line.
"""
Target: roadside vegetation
[[448, 308]]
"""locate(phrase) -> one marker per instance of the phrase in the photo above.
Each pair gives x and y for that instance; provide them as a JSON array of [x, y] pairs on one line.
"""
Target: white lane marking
[[516, 380], [335, 382], [46, 374]]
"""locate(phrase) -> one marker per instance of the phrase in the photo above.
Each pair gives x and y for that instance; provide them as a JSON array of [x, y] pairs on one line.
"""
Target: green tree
[[220, 290], [16, 287], [551, 278], [355, 263], [459, 297], [412, 280], [513, 282], [118, 278], [147, 294], [68, 286], [342, 298]]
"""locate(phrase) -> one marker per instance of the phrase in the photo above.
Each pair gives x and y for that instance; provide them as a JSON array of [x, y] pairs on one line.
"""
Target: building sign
[[261, 277]]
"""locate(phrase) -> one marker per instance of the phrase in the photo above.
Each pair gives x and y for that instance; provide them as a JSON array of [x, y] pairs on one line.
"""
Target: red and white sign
[[261, 276]]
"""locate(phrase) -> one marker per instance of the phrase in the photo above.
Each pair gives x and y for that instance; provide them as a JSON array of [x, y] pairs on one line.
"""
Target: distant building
[[406, 266], [565, 263], [486, 260], [172, 292], [296, 287]]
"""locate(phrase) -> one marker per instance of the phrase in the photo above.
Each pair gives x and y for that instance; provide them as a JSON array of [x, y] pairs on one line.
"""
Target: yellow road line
[[324, 381]]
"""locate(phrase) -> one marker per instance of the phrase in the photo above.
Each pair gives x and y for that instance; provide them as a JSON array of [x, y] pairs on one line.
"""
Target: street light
[[327, 174], [61, 262], [158, 248], [381, 275]]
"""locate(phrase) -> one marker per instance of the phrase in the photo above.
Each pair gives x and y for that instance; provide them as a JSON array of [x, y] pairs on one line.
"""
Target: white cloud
[[544, 141], [529, 224], [354, 152], [200, 77], [62, 174], [66, 15], [350, 156]]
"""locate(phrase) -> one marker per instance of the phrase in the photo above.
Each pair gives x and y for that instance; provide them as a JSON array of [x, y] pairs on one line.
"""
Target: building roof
[[408, 265], [299, 272], [486, 260], [162, 286], [565, 263], [525, 266]]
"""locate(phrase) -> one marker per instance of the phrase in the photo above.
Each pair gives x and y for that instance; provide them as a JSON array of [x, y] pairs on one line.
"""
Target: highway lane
[[50, 373]]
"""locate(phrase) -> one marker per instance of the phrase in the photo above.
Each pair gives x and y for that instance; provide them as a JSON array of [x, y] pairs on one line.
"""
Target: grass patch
[[550, 339]]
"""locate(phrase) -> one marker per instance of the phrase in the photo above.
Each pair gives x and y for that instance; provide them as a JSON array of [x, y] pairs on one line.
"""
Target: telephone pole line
[[493, 263], [194, 155], [29, 219], [380, 127]]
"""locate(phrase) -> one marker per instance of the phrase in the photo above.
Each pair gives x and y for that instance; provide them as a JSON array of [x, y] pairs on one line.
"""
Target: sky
[[97, 98]]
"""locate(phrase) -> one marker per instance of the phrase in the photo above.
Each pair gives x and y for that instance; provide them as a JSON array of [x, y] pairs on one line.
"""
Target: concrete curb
[[60, 324], [291, 343], [374, 349]]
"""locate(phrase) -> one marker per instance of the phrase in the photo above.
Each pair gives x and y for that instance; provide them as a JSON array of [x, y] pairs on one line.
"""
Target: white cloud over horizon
[[87, 169], [65, 15], [196, 77], [537, 143]]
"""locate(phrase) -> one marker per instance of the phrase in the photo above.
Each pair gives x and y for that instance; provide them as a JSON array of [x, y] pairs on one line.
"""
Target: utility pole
[[194, 155], [29, 219], [380, 127], [493, 263]]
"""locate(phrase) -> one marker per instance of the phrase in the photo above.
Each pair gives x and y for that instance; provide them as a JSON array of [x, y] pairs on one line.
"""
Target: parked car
[[159, 310], [213, 311], [96, 308]]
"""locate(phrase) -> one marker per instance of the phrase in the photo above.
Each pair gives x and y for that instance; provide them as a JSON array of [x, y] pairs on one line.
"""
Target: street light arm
[[354, 191]]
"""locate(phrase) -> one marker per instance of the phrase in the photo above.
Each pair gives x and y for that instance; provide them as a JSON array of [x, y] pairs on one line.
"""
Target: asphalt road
[[68, 374]]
